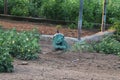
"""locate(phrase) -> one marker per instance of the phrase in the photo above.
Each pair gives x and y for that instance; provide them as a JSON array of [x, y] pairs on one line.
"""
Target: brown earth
[[57, 65], [44, 28], [66, 66]]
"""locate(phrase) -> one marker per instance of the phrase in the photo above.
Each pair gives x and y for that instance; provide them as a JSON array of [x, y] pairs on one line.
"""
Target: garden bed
[[66, 66], [58, 65]]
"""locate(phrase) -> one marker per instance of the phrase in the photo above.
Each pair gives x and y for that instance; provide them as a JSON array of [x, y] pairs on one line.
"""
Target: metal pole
[[104, 16], [5, 6], [80, 20]]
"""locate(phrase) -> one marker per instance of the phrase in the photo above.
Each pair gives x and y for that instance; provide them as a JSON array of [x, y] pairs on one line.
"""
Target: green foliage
[[1, 6], [72, 26], [23, 45], [70, 10], [92, 11], [5, 58], [5, 62], [116, 27], [31, 45], [113, 9], [82, 47], [87, 25], [34, 6], [52, 9], [67, 10], [108, 45], [19, 7]]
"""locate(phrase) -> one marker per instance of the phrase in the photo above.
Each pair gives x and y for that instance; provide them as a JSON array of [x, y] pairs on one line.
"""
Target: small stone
[[24, 63], [75, 60]]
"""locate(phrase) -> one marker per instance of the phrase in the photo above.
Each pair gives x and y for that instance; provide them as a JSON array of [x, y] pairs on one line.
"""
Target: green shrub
[[51, 9], [23, 45], [6, 62], [82, 47], [108, 45], [87, 25], [72, 26], [116, 27], [19, 7], [5, 58], [31, 46], [34, 6], [113, 8]]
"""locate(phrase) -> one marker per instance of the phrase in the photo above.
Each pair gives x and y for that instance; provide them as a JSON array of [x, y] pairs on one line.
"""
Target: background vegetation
[[1, 6], [67, 10]]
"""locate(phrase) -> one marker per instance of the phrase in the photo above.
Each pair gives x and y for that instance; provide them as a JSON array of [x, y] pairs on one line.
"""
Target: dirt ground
[[66, 66], [57, 65], [49, 29]]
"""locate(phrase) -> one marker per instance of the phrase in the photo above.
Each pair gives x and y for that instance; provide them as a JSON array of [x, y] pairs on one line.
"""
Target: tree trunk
[[5, 6]]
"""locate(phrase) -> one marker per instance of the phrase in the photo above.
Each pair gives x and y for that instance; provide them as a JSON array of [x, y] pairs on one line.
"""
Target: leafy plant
[[108, 45], [116, 27], [82, 47], [72, 26], [31, 45], [34, 6], [1, 6], [6, 62], [87, 25], [19, 7], [23, 45], [5, 58]]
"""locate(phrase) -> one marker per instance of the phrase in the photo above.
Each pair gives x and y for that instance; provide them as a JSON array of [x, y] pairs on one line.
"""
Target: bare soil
[[49, 29], [56, 65]]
